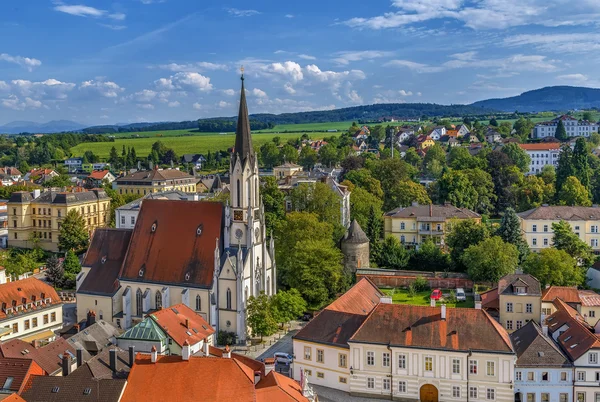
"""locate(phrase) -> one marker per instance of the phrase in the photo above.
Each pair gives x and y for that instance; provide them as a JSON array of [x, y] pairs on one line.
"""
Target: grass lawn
[[401, 296]]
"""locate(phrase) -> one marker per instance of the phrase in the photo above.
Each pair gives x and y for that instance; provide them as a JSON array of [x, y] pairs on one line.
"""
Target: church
[[209, 256]]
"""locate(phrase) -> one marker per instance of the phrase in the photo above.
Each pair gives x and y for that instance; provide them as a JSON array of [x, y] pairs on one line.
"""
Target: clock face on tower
[[238, 215], [238, 234]]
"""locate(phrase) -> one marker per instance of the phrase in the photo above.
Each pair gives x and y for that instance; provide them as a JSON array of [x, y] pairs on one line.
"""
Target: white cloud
[[289, 69], [289, 88], [193, 67], [185, 81], [147, 106], [26, 62], [107, 89], [289, 16], [87, 11], [306, 57], [579, 78], [333, 76], [223, 104], [50, 89], [14, 103], [466, 56], [229, 92], [242, 13], [354, 97], [346, 57], [391, 96], [558, 43], [174, 104], [259, 93], [197, 106], [114, 27], [145, 95], [411, 65]]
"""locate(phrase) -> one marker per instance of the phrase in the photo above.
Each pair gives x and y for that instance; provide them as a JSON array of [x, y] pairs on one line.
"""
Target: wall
[[128, 214], [402, 279], [100, 304], [554, 386], [330, 368], [39, 314], [519, 310], [582, 228]]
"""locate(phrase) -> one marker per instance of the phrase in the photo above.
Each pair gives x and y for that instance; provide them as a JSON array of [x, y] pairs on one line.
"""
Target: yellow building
[[415, 224], [515, 301], [39, 216], [154, 181], [586, 302], [536, 225], [286, 170]]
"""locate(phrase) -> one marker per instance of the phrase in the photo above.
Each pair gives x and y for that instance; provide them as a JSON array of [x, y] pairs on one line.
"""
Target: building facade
[[415, 224], [586, 302], [573, 127], [35, 219], [536, 225], [542, 154], [154, 181]]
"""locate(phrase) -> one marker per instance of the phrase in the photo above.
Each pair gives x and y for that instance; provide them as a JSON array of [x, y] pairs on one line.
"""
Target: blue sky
[[103, 62]]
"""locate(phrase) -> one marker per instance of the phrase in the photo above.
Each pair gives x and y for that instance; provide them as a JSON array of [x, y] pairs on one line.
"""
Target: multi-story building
[[423, 353], [515, 301], [573, 127], [415, 224], [286, 170], [542, 373], [31, 310], [321, 347], [462, 130], [542, 154], [9, 175], [536, 225], [586, 302], [35, 219], [437, 132], [154, 181], [73, 164], [581, 345]]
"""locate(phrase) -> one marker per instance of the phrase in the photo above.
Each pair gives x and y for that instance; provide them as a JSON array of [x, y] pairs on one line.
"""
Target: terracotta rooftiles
[[562, 212], [568, 294], [360, 299], [276, 387], [255, 365], [589, 298], [173, 321], [47, 357], [99, 174], [13, 398], [174, 242], [543, 146], [490, 299], [422, 327], [19, 369], [23, 292]]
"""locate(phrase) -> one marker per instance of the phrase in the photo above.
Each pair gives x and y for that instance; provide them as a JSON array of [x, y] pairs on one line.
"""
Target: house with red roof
[[97, 178], [15, 372], [586, 302]]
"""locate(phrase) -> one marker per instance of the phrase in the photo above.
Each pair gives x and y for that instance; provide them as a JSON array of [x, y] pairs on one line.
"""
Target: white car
[[460, 294], [283, 358]]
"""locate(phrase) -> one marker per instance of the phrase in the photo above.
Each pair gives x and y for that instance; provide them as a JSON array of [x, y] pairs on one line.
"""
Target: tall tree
[[274, 202], [456, 188], [510, 232], [429, 257], [404, 193], [565, 239], [504, 174], [287, 306], [464, 234], [113, 157], [364, 205], [574, 193], [73, 234], [308, 157], [491, 259], [554, 267], [54, 271], [374, 225], [260, 318], [580, 162], [518, 156], [561, 132], [565, 167], [392, 254]]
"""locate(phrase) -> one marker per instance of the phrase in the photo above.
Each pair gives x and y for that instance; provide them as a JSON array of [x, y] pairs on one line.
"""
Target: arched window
[[268, 289], [228, 299], [256, 191], [138, 302], [248, 199], [239, 194], [198, 303], [158, 300]]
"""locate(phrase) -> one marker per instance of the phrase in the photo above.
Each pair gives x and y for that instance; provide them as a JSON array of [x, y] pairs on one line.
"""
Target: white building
[[542, 373], [422, 353], [437, 133], [541, 154], [31, 310], [573, 127], [73, 164], [462, 130]]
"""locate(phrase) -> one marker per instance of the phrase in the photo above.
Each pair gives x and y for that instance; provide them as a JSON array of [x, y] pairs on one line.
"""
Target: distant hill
[[55, 126], [559, 98]]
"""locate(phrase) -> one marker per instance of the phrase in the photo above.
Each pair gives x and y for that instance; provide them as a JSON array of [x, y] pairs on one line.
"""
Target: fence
[[387, 278]]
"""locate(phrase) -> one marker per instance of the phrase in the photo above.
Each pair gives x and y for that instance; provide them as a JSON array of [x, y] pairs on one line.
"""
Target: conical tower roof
[[243, 139], [355, 234]]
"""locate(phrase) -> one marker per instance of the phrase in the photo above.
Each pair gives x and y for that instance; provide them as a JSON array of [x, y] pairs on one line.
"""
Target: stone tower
[[355, 247]]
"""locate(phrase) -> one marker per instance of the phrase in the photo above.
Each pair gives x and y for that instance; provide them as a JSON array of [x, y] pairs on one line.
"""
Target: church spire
[[243, 139]]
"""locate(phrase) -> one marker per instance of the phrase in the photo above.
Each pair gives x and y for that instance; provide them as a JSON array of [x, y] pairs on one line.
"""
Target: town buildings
[[40, 176], [437, 132], [98, 177], [541, 154], [208, 256], [39, 216], [153, 181], [286, 170], [31, 309], [585, 302], [418, 223], [50, 357], [15, 373], [536, 225], [573, 127], [9, 175]]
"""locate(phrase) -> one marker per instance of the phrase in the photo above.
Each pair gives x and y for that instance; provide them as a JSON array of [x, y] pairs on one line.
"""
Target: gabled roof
[[155, 175], [490, 299], [146, 330], [19, 369], [99, 174], [276, 387], [181, 324], [105, 258], [562, 212], [568, 294], [405, 325], [94, 338], [174, 243], [360, 299], [445, 211], [589, 298], [24, 291], [542, 146], [48, 357], [355, 234], [507, 283], [99, 365], [536, 350]]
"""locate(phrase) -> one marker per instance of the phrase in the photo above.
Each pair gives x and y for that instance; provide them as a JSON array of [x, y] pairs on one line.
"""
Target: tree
[[392, 254], [269, 154], [460, 158], [565, 239], [461, 236], [490, 260], [320, 199], [561, 132], [554, 267], [287, 306], [456, 188], [374, 225], [434, 154], [587, 116], [365, 180], [17, 263], [493, 122], [404, 193], [484, 186], [412, 157], [510, 232], [73, 234], [274, 202], [260, 318], [308, 157], [289, 153], [580, 162], [533, 192], [564, 168], [574, 193], [429, 257], [517, 155], [504, 174], [113, 157], [54, 271], [71, 263], [523, 128], [363, 204]]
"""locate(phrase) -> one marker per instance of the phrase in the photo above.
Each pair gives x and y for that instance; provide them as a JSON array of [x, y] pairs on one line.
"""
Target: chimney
[[91, 318], [544, 329], [76, 327], [206, 348], [187, 323], [186, 350], [36, 343], [66, 364], [131, 356], [478, 305], [113, 360], [443, 312], [79, 357], [385, 299], [153, 354], [256, 377], [227, 352], [432, 302]]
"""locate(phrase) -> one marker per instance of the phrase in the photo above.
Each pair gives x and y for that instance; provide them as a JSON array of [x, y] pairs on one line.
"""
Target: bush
[[226, 338], [420, 284], [412, 292]]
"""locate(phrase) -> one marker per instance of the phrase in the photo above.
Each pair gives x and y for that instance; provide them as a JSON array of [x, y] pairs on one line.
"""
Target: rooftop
[[15, 371], [174, 195], [568, 294], [147, 330], [25, 296], [355, 234], [54, 197], [445, 211], [562, 212], [95, 338], [536, 350], [99, 174], [155, 175], [48, 357], [181, 324], [542, 146], [509, 284]]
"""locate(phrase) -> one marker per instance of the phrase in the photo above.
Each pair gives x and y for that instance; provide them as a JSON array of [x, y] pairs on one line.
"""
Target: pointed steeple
[[243, 139]]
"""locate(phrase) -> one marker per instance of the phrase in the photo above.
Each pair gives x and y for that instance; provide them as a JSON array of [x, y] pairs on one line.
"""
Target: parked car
[[436, 294], [460, 294], [283, 358]]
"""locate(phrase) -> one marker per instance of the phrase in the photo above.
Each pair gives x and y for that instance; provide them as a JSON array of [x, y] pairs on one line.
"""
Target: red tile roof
[[40, 172], [278, 388], [542, 146], [422, 327], [166, 247], [24, 291], [20, 369], [568, 294], [197, 379], [99, 174], [360, 299], [589, 298], [47, 357], [173, 321], [13, 398], [490, 299], [255, 365]]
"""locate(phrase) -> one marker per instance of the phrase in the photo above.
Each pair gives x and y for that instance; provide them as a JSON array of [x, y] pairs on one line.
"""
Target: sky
[[104, 62]]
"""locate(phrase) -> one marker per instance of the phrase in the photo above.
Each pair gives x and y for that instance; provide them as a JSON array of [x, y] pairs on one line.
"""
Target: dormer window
[[520, 290]]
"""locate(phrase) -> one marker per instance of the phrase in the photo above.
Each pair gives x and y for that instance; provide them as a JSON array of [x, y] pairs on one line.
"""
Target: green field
[[190, 144], [422, 298]]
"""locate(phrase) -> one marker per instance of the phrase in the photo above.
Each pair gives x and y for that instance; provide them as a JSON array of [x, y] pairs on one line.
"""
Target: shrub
[[420, 284], [412, 291], [226, 338]]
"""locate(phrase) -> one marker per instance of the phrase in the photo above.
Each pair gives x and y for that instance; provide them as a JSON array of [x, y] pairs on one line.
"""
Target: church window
[[138, 302], [268, 290], [248, 191], [256, 191], [198, 303], [239, 195], [158, 299], [228, 299]]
